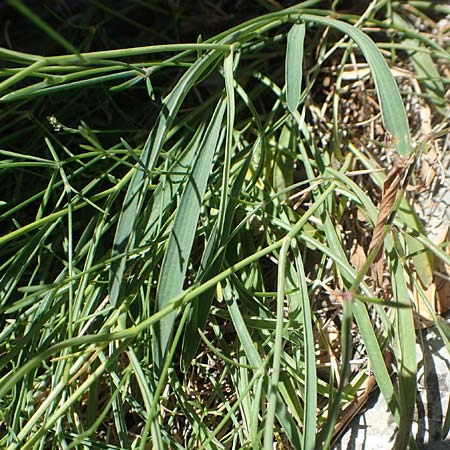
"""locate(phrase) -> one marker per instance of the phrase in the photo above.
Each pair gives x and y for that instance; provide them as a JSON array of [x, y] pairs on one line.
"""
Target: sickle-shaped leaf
[[391, 104]]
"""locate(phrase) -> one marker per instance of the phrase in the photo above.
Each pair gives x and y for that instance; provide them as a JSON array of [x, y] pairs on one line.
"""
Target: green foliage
[[172, 216]]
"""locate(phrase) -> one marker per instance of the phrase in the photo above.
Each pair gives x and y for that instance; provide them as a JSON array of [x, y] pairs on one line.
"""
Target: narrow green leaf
[[149, 223], [310, 408], [212, 262], [126, 84], [294, 65], [241, 328], [406, 345], [21, 74], [211, 265], [282, 413], [231, 111], [118, 413], [125, 232], [346, 353], [392, 108], [421, 258], [149, 86], [373, 347], [272, 397], [181, 238]]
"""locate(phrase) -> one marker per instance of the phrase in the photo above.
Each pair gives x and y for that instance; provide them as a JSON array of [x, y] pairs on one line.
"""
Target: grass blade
[[294, 65], [125, 232], [272, 397], [406, 348], [391, 104], [181, 238], [310, 408]]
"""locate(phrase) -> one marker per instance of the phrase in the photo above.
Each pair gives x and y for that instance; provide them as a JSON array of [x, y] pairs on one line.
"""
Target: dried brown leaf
[[395, 181], [390, 189], [358, 257]]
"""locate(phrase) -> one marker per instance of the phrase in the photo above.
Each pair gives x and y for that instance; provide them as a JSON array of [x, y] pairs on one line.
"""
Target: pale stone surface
[[374, 428]]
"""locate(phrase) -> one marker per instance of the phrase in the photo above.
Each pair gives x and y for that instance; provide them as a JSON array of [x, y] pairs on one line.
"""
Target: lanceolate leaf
[[309, 419], [182, 235], [133, 201], [211, 265], [392, 108], [405, 346], [294, 65]]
